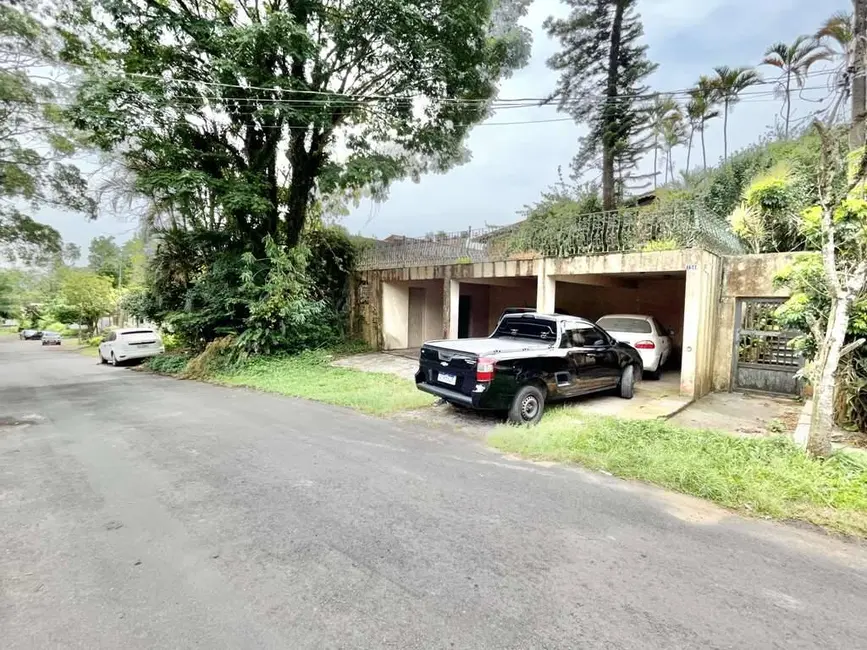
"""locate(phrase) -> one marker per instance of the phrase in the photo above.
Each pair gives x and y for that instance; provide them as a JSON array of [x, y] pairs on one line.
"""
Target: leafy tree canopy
[[239, 114], [35, 140]]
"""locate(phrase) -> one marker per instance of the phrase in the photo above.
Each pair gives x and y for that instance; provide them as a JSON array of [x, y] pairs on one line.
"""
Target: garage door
[[764, 359]]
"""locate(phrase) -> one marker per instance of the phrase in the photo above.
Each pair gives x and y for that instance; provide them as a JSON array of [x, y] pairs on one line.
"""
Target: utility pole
[[858, 130]]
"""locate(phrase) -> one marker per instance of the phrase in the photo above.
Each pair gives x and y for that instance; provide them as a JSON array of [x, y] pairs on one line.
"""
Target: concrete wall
[[744, 276], [395, 315], [503, 297]]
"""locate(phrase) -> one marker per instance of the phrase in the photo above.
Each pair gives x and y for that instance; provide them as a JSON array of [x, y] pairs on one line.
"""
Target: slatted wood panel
[[764, 359]]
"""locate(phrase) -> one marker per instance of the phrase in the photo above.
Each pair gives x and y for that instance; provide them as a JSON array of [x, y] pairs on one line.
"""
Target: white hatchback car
[[128, 344], [644, 334]]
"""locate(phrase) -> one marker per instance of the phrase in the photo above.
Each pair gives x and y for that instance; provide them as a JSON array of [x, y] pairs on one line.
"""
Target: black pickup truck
[[529, 360]]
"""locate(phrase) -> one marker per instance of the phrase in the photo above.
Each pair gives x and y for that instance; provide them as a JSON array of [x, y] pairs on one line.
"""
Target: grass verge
[[88, 351], [760, 476], [310, 376]]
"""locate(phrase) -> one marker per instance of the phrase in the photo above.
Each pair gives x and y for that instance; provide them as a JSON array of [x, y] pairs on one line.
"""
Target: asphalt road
[[143, 512]]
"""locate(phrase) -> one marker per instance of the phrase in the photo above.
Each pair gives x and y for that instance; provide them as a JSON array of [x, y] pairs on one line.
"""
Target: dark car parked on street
[[30, 335], [530, 359]]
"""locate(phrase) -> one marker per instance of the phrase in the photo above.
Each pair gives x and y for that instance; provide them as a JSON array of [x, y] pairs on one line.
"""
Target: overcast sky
[[511, 165]]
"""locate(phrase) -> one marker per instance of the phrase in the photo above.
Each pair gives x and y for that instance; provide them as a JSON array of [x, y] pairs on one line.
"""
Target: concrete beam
[[500, 282], [599, 281]]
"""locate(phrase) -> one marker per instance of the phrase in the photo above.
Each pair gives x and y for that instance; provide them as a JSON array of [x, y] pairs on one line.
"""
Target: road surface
[[143, 512]]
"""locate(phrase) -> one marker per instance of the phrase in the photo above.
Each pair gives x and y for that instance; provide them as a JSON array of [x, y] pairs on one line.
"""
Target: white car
[[643, 333], [128, 344]]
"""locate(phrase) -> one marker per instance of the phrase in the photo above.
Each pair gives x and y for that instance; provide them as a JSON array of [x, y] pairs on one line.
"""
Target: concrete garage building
[[718, 304]]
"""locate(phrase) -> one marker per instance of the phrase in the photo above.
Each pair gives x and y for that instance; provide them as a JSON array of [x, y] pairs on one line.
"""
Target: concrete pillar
[[691, 322], [546, 289], [451, 303]]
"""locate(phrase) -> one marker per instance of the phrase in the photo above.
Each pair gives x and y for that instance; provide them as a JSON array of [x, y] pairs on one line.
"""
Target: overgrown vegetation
[[757, 476], [170, 363], [310, 376]]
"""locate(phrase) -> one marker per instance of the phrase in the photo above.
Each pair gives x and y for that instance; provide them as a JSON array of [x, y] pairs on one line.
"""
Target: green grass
[[760, 476], [309, 376], [86, 351], [8, 331]]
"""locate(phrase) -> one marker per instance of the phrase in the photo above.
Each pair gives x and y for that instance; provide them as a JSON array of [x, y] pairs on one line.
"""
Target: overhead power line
[[367, 97]]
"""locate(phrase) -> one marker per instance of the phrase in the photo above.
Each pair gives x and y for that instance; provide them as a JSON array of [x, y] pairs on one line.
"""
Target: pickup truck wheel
[[627, 382], [528, 406]]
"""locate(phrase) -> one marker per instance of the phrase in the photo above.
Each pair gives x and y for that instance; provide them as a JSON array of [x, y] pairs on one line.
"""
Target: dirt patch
[[19, 421]]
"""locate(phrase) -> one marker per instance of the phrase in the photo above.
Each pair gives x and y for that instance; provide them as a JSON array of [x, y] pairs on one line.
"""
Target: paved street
[[143, 512]]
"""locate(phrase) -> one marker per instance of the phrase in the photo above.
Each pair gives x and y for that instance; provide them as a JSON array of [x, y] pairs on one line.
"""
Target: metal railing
[[636, 229]]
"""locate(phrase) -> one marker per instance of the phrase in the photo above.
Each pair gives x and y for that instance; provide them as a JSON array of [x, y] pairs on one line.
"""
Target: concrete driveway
[[143, 512], [653, 399]]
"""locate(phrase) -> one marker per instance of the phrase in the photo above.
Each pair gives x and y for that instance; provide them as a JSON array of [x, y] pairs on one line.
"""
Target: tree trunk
[[671, 163], [703, 150], [726, 131], [859, 81], [655, 161], [689, 148], [788, 101], [609, 137], [822, 419]]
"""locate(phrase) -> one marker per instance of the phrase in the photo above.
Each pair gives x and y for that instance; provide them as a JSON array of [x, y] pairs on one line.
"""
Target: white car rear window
[[628, 325]]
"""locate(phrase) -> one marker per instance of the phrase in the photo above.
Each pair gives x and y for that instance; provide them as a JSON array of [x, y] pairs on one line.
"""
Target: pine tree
[[602, 68]]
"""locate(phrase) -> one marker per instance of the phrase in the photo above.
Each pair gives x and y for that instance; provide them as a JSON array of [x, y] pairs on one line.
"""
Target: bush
[[168, 364], [285, 315], [94, 341], [218, 356]]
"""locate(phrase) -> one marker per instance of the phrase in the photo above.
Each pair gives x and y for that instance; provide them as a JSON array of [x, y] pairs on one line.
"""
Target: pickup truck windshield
[[527, 328]]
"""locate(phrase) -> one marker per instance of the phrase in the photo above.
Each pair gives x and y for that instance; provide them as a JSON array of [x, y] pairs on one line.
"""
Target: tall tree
[[858, 130], [91, 295], [603, 65], [105, 257], [673, 135], [729, 83], [794, 62], [242, 113], [660, 112], [700, 110], [838, 36], [35, 141]]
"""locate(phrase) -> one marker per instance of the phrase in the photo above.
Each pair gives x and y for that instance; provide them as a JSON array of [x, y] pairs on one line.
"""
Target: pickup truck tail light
[[485, 369], [645, 345]]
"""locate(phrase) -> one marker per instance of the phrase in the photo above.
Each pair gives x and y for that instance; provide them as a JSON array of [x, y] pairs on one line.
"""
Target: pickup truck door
[[593, 361]]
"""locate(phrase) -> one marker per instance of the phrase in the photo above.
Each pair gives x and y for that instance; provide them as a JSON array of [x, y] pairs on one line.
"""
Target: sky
[[511, 165]]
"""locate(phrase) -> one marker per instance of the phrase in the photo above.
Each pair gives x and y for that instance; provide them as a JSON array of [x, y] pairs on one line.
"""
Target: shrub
[[660, 245], [285, 315], [219, 355], [94, 341], [168, 364]]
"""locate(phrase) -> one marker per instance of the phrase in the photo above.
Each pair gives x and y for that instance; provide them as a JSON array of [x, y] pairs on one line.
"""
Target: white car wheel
[[113, 359]]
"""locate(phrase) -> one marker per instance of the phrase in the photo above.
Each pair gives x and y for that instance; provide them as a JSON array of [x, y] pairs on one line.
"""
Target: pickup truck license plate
[[446, 378]]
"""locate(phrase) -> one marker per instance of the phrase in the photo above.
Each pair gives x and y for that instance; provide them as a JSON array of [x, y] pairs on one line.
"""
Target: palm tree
[[837, 34], [673, 134], [700, 109], [794, 61], [729, 83], [663, 106]]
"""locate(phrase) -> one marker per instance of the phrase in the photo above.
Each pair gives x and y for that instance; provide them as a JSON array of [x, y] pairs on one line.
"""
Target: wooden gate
[[764, 359]]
